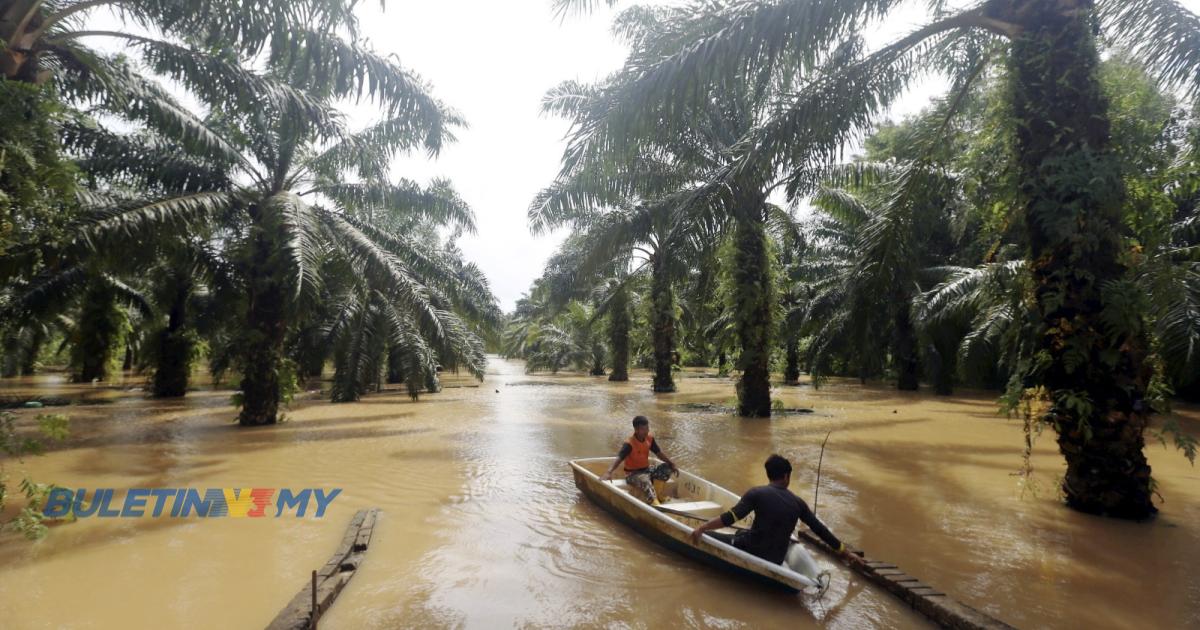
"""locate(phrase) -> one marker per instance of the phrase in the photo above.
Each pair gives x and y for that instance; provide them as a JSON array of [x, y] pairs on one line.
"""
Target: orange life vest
[[639, 454]]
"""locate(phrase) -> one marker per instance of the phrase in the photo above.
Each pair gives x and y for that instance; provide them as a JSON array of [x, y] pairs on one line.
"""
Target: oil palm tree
[[274, 237], [1096, 376], [370, 335], [671, 187], [574, 273], [571, 338], [872, 246]]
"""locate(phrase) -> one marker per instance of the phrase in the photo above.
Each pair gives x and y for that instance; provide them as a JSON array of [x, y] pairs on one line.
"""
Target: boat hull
[[672, 533]]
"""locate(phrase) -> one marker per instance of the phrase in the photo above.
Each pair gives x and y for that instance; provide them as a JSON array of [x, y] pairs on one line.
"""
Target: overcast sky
[[493, 61]]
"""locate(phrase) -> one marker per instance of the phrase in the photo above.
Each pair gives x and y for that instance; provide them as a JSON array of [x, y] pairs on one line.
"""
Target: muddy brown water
[[482, 526]]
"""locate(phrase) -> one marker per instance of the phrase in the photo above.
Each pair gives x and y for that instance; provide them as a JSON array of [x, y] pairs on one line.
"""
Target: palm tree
[[658, 239], [873, 244], [614, 298], [991, 303], [275, 239], [206, 48], [674, 180], [1071, 189], [369, 334], [189, 274], [571, 338], [100, 303]]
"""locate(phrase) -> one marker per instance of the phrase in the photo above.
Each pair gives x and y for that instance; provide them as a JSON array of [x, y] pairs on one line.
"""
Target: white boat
[[689, 500]]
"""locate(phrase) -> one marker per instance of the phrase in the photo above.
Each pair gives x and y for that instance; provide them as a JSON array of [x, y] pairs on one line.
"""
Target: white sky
[[492, 61]]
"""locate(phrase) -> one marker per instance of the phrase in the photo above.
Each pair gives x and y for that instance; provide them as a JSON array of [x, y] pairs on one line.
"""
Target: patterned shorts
[[643, 479]]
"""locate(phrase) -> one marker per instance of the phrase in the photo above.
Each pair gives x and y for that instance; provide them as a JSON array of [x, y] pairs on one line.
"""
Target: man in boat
[[776, 510], [635, 452]]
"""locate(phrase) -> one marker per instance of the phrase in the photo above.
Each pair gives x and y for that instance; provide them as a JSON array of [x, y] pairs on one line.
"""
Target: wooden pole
[[315, 612], [817, 487]]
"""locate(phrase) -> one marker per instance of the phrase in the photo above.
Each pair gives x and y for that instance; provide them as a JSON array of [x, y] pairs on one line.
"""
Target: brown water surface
[[483, 527]]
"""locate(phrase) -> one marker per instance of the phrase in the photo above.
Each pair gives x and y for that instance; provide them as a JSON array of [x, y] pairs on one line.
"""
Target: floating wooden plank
[[330, 579], [934, 604]]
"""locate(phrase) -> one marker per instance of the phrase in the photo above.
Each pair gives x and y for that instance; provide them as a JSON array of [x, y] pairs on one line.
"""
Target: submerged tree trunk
[[130, 356], [310, 352], [175, 346], [944, 365], [663, 322], [791, 372], [262, 355], [618, 334], [1095, 374], [98, 334], [29, 360], [10, 360], [753, 283], [904, 350], [597, 360], [395, 366]]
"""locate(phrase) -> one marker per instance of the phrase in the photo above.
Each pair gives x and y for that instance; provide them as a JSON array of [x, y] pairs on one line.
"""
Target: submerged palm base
[[1090, 355], [1107, 472]]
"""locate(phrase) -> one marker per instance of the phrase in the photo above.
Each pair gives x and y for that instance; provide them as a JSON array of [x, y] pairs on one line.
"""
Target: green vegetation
[[30, 521], [255, 228], [1034, 230]]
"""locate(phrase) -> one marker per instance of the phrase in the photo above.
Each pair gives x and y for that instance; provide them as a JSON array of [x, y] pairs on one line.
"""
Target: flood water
[[482, 526]]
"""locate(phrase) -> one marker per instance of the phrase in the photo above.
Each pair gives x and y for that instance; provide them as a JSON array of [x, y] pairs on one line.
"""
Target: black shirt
[[776, 511]]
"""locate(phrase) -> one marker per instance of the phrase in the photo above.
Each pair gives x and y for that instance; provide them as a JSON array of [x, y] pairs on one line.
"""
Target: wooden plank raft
[[928, 601], [314, 599]]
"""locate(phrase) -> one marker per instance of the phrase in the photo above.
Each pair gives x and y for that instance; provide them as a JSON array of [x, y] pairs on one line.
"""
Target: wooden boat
[[688, 501]]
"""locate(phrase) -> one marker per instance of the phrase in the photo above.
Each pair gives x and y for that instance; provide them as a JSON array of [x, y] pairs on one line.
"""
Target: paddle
[[817, 486]]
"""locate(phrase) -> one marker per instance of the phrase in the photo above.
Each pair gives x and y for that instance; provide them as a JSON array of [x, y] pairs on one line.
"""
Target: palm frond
[[1161, 34], [146, 221], [331, 66], [403, 201]]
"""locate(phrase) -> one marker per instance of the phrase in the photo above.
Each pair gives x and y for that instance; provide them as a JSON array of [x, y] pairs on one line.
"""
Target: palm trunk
[[310, 352], [395, 366], [791, 372], [29, 360], [1073, 193], [908, 364], [597, 360], [16, 63], [618, 334], [721, 359], [98, 335], [130, 357], [752, 279], [174, 347], [945, 361], [10, 360], [266, 326], [348, 361], [663, 332]]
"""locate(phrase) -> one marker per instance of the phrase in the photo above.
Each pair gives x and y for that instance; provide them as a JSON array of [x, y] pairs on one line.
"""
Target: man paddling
[[776, 510], [635, 452]]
